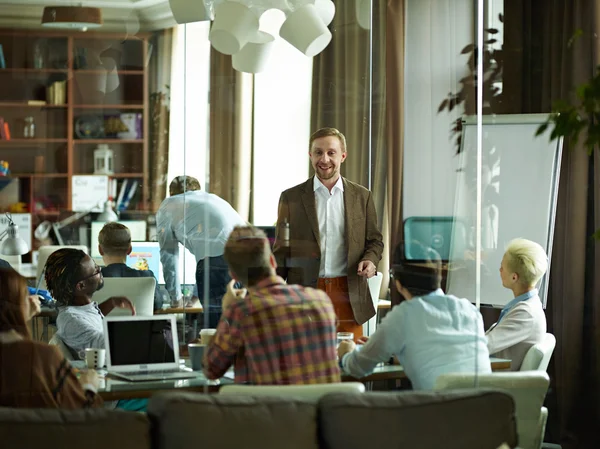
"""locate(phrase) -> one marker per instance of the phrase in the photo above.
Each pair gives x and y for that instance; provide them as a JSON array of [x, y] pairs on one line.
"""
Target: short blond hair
[[115, 239], [528, 259], [327, 132], [247, 253]]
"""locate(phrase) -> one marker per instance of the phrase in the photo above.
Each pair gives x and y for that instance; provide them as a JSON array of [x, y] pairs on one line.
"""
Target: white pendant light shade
[[234, 25], [188, 11], [326, 9], [306, 31], [253, 58]]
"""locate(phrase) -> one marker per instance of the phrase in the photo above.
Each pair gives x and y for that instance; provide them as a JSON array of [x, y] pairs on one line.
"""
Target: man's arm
[[374, 240], [512, 329], [169, 254], [281, 251], [385, 342], [219, 356]]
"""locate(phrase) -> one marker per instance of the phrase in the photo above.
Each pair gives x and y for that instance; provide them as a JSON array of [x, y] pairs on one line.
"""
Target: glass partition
[[156, 125]]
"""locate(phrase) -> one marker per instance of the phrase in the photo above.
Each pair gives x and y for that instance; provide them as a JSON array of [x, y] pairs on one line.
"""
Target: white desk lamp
[[13, 245]]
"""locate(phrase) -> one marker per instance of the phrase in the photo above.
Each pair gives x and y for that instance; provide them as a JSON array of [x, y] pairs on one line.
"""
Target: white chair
[[140, 291], [56, 341], [538, 356], [528, 390], [374, 287], [312, 392], [43, 254]]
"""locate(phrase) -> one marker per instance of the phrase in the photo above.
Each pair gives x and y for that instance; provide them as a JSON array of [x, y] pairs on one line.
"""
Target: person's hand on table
[[232, 294], [345, 347], [122, 302], [34, 305], [366, 268], [89, 377]]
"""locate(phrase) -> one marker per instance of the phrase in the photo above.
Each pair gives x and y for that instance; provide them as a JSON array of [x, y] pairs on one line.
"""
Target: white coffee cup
[[95, 358], [206, 336]]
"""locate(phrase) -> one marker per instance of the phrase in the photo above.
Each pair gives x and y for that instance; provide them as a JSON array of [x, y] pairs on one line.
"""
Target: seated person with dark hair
[[430, 333], [114, 244]]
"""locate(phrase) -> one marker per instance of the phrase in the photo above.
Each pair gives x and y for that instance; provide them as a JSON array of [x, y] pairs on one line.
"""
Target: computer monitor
[[270, 231], [137, 228], [146, 256]]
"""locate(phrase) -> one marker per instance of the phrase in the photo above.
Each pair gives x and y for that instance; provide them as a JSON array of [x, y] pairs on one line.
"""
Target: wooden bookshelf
[[46, 164]]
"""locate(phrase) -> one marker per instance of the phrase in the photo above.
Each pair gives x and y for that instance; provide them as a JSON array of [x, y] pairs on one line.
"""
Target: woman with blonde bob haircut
[[34, 374], [522, 322]]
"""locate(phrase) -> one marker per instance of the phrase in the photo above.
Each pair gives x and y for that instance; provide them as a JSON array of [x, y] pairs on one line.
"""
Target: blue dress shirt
[[430, 335], [198, 220]]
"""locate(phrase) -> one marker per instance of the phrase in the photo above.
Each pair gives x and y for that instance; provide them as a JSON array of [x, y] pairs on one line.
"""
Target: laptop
[[143, 348]]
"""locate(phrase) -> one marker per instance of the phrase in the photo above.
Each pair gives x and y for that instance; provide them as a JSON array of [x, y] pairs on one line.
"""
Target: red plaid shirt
[[277, 334]]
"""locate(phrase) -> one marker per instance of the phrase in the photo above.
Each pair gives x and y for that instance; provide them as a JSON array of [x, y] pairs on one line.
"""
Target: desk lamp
[[13, 245]]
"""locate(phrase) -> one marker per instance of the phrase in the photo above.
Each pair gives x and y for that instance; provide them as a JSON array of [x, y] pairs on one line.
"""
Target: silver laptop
[[143, 348]]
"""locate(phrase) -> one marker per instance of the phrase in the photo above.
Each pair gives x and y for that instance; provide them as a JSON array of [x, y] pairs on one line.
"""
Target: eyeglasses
[[96, 272]]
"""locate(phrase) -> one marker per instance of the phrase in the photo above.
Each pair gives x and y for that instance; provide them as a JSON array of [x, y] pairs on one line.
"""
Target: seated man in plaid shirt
[[273, 333]]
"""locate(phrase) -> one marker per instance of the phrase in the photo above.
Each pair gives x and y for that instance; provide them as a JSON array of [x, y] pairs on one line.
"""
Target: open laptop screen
[[141, 341]]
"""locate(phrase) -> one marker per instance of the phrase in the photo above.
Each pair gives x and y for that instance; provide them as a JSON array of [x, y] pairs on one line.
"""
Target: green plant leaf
[[468, 49], [596, 235], [542, 129], [443, 105]]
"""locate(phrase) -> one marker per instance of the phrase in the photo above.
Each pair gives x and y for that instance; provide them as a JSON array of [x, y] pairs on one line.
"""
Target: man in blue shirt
[[430, 333], [202, 223]]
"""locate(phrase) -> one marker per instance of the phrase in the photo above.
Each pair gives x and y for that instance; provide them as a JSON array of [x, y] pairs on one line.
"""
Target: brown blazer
[[300, 263]]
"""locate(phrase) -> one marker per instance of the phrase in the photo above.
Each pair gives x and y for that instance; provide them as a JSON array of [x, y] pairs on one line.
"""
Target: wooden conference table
[[112, 389]]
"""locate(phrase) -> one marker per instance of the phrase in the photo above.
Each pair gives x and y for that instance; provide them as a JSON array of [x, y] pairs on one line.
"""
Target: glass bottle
[[38, 56], [29, 128]]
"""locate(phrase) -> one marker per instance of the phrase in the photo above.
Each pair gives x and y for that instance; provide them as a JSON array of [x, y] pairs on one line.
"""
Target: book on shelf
[[36, 102], [2, 129], [2, 61], [6, 131]]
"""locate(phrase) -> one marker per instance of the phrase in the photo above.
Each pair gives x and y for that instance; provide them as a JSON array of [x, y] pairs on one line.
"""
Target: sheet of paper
[[90, 192]]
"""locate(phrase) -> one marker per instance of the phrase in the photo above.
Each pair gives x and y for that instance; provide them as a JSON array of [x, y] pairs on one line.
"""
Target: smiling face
[[326, 156]]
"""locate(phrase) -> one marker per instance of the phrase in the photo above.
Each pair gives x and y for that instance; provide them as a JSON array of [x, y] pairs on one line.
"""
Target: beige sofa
[[466, 419]]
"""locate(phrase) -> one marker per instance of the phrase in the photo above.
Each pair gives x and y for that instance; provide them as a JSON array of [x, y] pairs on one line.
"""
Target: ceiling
[[119, 15]]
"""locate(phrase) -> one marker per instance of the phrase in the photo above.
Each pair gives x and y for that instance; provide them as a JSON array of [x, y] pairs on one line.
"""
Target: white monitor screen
[[146, 256], [137, 228]]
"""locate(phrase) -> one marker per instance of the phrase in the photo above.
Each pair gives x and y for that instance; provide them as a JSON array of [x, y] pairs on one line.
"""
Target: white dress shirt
[[332, 229], [431, 335], [198, 220]]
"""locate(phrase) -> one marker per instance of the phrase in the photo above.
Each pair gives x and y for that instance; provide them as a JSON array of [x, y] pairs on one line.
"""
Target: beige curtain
[[341, 89], [231, 104], [159, 72], [394, 70]]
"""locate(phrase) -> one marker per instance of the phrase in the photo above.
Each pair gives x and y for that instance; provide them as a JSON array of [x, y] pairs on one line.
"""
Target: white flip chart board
[[519, 190]]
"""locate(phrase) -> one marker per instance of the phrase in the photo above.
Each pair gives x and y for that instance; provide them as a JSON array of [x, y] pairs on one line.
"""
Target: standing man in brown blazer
[[334, 243]]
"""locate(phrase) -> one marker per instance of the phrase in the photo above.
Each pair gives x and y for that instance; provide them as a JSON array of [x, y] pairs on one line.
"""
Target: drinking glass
[[341, 336]]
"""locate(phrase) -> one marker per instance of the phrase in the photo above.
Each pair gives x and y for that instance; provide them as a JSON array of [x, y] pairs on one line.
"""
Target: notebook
[[143, 348]]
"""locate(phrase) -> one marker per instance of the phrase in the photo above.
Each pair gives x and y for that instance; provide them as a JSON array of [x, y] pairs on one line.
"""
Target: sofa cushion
[[73, 429], [192, 420], [465, 419]]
